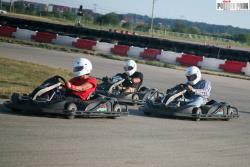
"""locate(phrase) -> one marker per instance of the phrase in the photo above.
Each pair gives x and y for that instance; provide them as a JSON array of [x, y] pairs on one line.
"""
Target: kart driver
[[82, 85], [198, 89], [133, 78]]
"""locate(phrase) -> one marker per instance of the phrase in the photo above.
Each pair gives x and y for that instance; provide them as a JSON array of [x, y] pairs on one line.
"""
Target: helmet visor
[[78, 68], [128, 68], [191, 77]]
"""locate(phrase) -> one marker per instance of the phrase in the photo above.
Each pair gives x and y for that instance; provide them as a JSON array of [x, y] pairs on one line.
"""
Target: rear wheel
[[71, 109], [196, 114], [117, 109]]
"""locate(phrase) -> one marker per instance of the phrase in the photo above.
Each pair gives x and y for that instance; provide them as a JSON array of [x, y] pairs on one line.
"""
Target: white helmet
[[81, 67], [193, 75], [130, 67]]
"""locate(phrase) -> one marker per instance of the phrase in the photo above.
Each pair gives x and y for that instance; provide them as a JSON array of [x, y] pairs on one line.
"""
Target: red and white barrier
[[24, 34], [64, 40], [233, 66], [44, 37], [211, 63], [6, 31], [246, 70], [121, 50], [103, 47], [189, 60], [150, 54], [135, 52], [169, 57]]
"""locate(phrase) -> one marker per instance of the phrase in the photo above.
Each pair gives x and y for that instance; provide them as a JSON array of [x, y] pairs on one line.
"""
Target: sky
[[192, 10]]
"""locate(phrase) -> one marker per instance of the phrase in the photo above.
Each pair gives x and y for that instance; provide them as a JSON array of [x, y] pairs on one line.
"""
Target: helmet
[[130, 67], [81, 67], [193, 75]]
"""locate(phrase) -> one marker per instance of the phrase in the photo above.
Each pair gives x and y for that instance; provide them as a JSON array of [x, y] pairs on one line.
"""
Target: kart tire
[[135, 98], [197, 114], [147, 113], [15, 97], [117, 108], [71, 108]]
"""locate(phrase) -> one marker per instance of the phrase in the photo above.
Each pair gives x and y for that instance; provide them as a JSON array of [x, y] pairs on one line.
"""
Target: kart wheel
[[117, 108], [196, 114], [135, 98], [147, 113], [71, 108], [15, 97]]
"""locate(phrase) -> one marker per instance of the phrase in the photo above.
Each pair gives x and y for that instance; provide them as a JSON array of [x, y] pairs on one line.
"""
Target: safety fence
[[149, 54]]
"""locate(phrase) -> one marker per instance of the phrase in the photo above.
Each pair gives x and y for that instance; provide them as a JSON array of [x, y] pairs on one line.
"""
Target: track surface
[[128, 141]]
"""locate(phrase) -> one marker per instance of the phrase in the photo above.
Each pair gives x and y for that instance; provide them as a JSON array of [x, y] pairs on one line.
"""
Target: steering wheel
[[61, 78]]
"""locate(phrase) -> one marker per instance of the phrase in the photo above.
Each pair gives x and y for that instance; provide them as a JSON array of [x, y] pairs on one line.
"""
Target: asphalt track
[[128, 141]]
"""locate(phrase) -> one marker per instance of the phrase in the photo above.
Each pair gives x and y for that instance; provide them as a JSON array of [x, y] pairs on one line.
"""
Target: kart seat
[[36, 93]]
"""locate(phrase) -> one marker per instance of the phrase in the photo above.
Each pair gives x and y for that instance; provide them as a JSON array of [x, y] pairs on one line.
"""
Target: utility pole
[[152, 19], [95, 8]]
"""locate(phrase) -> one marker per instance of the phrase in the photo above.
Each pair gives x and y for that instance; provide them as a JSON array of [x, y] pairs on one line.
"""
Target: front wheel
[[71, 109]]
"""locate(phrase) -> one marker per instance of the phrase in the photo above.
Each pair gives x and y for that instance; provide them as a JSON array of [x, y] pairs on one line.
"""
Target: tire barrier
[[103, 47], [150, 54], [64, 40], [211, 63], [6, 31], [135, 52], [43, 37], [24, 34], [121, 50], [233, 66], [189, 60], [246, 70], [84, 44], [169, 57]]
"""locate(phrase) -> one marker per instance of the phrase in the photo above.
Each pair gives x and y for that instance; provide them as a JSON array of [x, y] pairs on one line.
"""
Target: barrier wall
[[233, 66], [84, 44], [64, 40], [150, 54], [211, 63], [135, 52], [121, 50], [169, 57], [246, 69], [189, 60], [24, 34], [44, 37], [103, 47], [6, 31]]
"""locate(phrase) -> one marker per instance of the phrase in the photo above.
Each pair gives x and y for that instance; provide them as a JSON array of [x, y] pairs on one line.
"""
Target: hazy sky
[[193, 10]]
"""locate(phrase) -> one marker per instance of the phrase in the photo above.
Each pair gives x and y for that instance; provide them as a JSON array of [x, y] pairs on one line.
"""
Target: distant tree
[[179, 27], [141, 27], [127, 25], [194, 30], [110, 18], [243, 38]]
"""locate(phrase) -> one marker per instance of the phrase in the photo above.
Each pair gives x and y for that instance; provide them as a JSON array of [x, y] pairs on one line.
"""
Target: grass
[[23, 77]]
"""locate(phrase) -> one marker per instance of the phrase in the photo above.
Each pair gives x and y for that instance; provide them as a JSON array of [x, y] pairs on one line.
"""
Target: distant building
[[31, 5], [58, 8]]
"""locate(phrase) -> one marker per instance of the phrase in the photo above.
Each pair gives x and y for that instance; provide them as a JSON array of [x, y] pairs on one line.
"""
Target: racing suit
[[200, 93]]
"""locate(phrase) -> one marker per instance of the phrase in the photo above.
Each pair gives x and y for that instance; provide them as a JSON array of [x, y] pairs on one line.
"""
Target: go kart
[[111, 87], [172, 104], [51, 97]]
